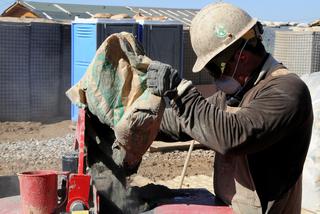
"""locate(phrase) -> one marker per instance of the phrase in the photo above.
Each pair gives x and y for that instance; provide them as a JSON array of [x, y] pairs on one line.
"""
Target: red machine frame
[[79, 184]]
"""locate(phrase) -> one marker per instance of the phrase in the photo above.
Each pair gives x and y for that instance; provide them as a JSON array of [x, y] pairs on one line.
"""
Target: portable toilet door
[[87, 36]]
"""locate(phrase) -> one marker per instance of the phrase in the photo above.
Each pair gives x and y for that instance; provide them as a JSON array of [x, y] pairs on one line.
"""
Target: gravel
[[36, 154], [33, 154]]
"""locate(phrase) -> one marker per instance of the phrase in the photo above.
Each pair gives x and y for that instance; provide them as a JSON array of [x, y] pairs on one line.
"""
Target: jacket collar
[[268, 67]]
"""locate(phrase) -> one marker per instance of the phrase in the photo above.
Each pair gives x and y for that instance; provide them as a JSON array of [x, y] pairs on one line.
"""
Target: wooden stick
[[186, 164]]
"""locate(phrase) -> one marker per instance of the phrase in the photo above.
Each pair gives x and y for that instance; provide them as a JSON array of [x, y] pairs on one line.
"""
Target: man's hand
[[162, 79]]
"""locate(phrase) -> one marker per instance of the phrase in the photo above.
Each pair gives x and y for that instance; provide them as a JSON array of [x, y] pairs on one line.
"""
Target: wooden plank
[[159, 146]]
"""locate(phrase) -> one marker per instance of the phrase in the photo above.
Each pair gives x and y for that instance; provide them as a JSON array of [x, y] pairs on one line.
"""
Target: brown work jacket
[[260, 146]]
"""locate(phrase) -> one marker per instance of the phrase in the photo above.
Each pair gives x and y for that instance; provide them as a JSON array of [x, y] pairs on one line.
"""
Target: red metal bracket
[[79, 184], [80, 139], [79, 190]]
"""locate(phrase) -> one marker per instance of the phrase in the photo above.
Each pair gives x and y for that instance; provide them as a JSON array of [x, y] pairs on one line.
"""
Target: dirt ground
[[158, 166], [13, 131], [155, 166]]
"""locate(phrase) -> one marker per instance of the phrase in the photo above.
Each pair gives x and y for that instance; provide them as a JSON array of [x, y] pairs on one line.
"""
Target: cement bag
[[114, 90], [311, 173]]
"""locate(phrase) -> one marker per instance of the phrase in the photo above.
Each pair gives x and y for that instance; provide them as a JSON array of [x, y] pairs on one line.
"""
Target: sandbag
[[114, 90], [311, 172]]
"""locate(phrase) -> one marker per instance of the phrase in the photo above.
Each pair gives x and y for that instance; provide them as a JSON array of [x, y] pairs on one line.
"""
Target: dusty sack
[[311, 171], [114, 90]]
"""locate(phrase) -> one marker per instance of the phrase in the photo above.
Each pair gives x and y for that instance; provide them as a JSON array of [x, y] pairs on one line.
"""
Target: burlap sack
[[114, 89]]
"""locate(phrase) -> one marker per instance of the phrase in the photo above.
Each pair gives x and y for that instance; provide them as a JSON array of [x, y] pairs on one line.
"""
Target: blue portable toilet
[[163, 41], [87, 36]]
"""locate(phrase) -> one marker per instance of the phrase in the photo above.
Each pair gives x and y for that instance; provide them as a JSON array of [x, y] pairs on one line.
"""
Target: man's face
[[246, 65], [217, 65], [236, 68]]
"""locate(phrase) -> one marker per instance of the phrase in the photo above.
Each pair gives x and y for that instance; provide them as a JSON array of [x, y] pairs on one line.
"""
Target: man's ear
[[244, 56]]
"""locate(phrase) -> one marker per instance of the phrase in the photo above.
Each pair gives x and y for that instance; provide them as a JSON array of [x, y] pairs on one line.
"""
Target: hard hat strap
[[238, 60]]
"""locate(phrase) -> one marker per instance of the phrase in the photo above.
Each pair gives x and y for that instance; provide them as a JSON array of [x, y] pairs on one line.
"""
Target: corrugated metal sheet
[[184, 16], [58, 11]]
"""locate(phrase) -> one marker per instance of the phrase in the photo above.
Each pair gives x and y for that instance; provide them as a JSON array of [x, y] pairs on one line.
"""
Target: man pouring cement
[[259, 122]]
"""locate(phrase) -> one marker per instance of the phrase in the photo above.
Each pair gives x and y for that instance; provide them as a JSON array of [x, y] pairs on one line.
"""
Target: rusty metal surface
[[10, 205], [38, 191]]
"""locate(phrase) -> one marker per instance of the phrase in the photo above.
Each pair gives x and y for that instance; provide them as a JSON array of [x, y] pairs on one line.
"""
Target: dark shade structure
[[163, 41], [35, 59]]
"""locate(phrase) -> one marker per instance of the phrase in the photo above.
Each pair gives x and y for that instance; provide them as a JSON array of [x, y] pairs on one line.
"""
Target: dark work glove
[[162, 80]]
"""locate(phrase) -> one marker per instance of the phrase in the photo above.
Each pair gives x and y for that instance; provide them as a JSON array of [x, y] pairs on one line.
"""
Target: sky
[[267, 10]]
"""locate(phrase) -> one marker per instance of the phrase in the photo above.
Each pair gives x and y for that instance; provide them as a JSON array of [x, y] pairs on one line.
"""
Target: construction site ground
[[157, 167], [28, 146]]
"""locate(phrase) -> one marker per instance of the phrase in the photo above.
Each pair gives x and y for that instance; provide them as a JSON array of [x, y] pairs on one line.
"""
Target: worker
[[258, 122]]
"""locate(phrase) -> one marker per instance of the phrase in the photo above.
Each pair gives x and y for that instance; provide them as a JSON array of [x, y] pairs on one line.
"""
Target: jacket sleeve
[[172, 130], [278, 109]]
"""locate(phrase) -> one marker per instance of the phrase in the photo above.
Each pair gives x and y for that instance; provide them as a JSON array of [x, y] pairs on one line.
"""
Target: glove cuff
[[183, 86]]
